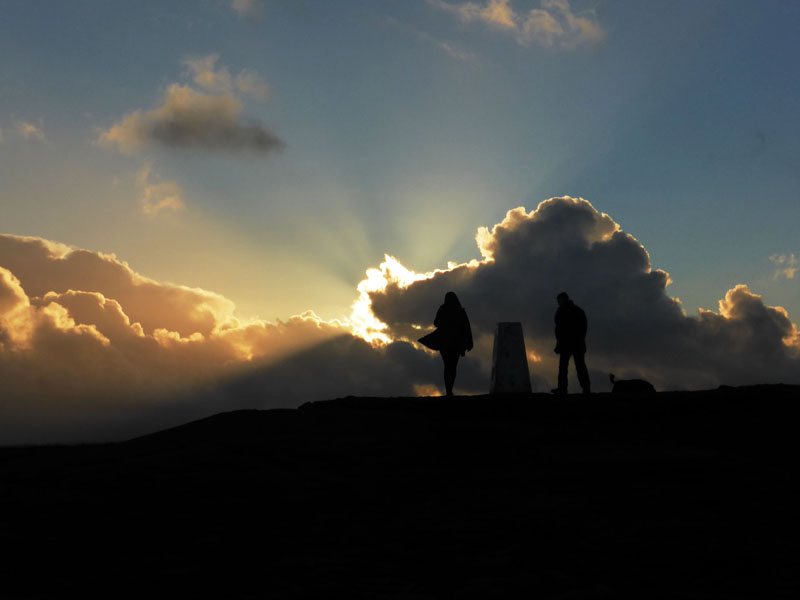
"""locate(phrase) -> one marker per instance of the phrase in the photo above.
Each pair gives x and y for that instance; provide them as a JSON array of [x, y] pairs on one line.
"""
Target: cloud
[[160, 196], [786, 265], [252, 84], [206, 75], [206, 120], [554, 25], [220, 81], [29, 131], [192, 119], [1, 135], [90, 349], [85, 341], [44, 266], [498, 13], [251, 10], [635, 327]]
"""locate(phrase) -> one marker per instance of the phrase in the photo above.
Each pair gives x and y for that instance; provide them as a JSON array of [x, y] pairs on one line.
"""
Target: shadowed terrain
[[679, 495]]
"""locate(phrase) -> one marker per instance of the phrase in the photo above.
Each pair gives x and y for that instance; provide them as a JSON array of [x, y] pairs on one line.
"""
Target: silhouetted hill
[[681, 495]]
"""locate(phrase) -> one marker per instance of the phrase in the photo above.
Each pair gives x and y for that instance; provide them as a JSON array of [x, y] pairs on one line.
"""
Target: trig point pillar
[[509, 361]]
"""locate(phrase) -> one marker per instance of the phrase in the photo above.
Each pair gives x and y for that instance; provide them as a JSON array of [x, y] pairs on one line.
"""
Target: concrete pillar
[[509, 361]]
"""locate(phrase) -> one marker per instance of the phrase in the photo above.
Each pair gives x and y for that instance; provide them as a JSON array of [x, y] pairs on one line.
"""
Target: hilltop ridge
[[682, 494]]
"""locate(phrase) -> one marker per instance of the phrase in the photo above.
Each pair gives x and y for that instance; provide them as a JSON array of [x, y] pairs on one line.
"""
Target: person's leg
[[583, 373], [563, 365], [450, 363]]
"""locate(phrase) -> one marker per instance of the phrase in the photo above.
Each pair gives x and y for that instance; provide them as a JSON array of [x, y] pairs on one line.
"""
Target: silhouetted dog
[[631, 386]]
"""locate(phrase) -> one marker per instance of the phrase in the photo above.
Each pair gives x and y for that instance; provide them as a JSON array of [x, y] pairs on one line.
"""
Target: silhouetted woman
[[453, 336]]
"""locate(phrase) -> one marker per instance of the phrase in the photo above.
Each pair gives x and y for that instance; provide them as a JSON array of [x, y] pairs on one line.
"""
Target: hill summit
[[682, 494]]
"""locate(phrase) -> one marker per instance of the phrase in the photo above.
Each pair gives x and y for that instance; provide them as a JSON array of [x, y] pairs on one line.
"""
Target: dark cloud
[[635, 327], [343, 366], [188, 118]]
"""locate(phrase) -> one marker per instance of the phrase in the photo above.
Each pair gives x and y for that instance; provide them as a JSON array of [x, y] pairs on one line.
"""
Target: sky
[[231, 170]]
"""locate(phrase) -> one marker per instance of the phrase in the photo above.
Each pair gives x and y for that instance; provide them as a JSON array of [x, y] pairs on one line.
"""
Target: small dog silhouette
[[631, 386]]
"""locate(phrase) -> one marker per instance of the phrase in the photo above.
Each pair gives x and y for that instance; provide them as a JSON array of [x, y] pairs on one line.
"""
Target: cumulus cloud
[[786, 265], [44, 266], [29, 131], [553, 25], [207, 120], [157, 197], [251, 10], [635, 327], [90, 349], [85, 340]]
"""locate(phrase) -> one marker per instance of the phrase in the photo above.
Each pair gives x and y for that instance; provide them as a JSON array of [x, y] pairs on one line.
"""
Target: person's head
[[450, 299], [562, 299]]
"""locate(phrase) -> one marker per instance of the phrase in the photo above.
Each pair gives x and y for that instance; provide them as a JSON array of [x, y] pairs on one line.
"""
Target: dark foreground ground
[[685, 495]]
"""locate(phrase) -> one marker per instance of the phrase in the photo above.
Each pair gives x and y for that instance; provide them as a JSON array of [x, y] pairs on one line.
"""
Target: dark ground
[[683, 495]]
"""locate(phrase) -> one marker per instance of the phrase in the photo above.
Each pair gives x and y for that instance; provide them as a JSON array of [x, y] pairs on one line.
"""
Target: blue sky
[[406, 127]]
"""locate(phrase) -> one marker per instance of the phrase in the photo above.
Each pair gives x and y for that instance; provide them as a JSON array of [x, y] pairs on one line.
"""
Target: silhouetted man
[[570, 341]]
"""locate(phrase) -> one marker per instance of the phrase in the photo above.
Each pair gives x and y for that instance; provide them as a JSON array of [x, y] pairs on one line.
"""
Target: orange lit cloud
[[43, 266], [90, 348], [144, 321], [554, 25]]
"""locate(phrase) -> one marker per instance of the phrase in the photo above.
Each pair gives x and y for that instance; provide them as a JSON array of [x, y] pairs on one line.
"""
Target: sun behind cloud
[[84, 338]]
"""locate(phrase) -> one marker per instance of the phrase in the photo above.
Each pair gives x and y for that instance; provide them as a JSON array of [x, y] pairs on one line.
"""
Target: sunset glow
[[362, 321], [199, 212]]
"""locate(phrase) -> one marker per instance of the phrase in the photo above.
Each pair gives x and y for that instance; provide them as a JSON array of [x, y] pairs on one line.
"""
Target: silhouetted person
[[453, 336], [570, 341]]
